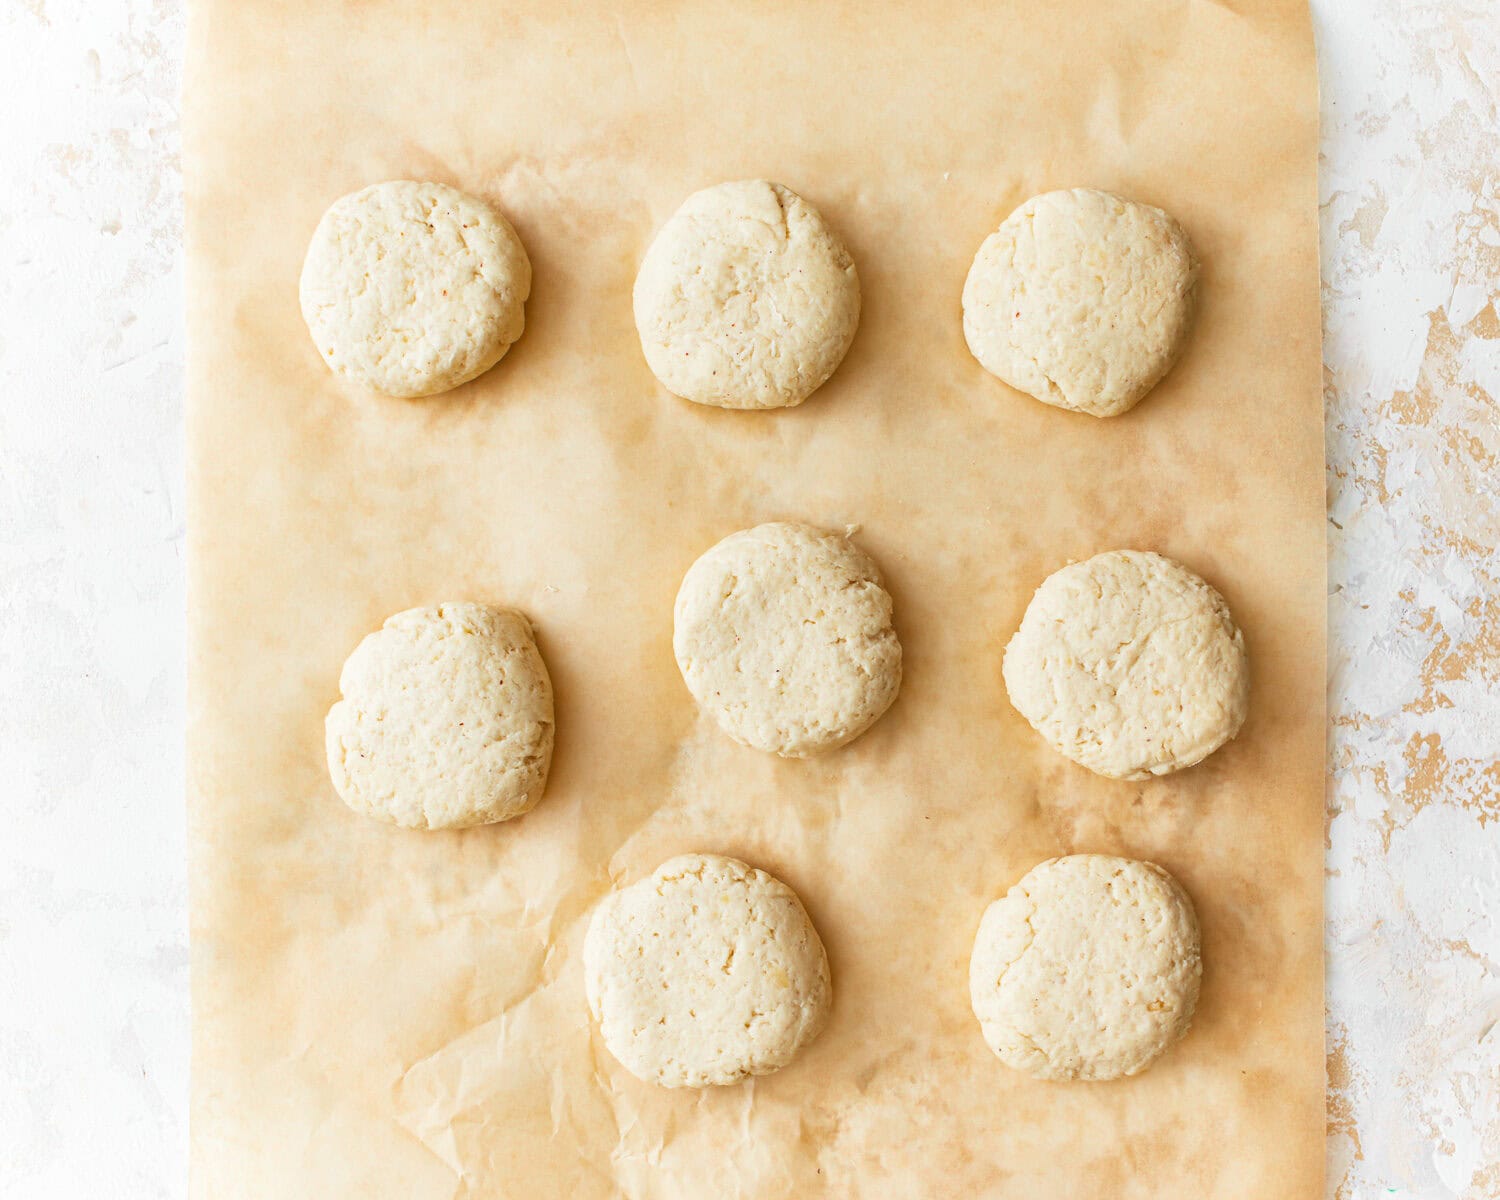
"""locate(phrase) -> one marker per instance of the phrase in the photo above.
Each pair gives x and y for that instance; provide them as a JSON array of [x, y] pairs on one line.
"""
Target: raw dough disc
[[1129, 664], [746, 299], [704, 973], [783, 634], [1088, 968], [410, 289], [1081, 299], [445, 721]]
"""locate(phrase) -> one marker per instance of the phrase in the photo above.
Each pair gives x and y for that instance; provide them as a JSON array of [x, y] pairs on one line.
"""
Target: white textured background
[[93, 933]]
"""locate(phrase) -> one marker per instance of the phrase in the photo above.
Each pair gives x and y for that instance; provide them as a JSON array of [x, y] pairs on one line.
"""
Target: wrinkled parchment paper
[[389, 1014]]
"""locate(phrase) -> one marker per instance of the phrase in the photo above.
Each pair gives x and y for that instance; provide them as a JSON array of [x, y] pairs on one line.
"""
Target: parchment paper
[[388, 1014]]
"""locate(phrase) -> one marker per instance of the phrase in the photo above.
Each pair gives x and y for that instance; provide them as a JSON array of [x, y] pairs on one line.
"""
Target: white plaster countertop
[[93, 931]]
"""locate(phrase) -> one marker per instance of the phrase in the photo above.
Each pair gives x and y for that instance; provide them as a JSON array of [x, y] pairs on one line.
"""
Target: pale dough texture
[[1081, 299], [746, 299], [1129, 664], [783, 634], [704, 973], [445, 721], [1088, 968], [410, 289]]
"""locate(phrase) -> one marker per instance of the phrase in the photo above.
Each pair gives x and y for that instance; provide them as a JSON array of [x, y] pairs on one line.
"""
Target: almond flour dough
[[1081, 299], [704, 973], [1088, 968], [445, 721], [1129, 664], [410, 289], [783, 634], [746, 299]]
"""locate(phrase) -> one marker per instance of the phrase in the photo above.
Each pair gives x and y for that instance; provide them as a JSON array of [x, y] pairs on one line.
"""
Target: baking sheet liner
[[384, 1013]]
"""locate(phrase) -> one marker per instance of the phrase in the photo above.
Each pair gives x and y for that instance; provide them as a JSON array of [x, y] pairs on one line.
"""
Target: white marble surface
[[1411, 269], [93, 955], [93, 927]]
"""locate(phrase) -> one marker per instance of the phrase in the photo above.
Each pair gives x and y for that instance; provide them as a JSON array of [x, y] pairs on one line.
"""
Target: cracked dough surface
[[783, 635], [1081, 299], [1088, 968], [410, 289], [1129, 664], [705, 972], [746, 299], [446, 719]]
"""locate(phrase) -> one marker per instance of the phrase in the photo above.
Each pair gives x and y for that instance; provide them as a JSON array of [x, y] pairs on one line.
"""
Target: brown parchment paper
[[382, 1013]]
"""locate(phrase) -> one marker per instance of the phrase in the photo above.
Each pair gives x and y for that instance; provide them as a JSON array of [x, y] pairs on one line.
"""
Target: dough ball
[[746, 299], [445, 721], [704, 973], [1129, 664], [1081, 299], [783, 634], [413, 288], [1087, 969]]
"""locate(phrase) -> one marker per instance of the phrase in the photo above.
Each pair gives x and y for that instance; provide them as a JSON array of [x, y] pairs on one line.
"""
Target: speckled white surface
[[93, 926], [93, 955], [1411, 268]]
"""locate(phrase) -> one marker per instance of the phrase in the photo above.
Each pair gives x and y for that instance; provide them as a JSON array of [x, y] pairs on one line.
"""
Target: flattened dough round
[[1088, 968], [746, 299], [410, 289], [783, 634], [1081, 299], [445, 721], [1129, 664], [704, 973]]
